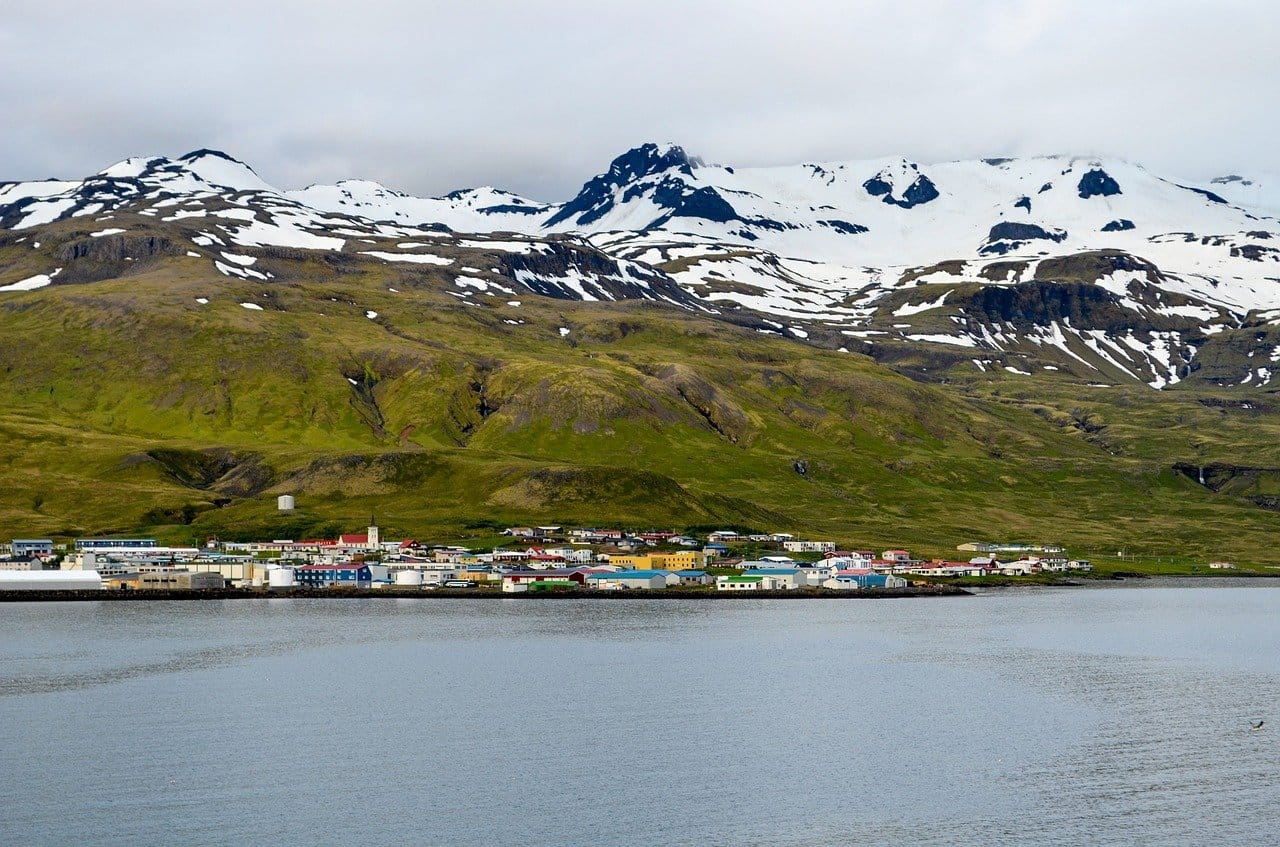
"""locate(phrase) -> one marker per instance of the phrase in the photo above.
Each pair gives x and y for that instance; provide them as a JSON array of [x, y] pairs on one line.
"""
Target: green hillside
[[127, 406]]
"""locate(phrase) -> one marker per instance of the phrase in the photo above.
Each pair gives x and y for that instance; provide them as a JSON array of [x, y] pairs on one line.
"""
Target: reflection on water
[[1090, 716]]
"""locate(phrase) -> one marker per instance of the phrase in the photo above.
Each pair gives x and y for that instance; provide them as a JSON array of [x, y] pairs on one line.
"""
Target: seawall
[[468, 594]]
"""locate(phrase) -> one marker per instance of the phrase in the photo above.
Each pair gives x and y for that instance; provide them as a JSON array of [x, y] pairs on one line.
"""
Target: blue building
[[91, 544], [867, 579], [25, 547], [349, 575]]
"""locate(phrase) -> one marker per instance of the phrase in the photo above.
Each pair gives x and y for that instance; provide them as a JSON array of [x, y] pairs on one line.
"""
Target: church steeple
[[375, 541]]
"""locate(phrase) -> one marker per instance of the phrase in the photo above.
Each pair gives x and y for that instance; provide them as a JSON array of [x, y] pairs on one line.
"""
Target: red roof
[[407, 543], [353, 539]]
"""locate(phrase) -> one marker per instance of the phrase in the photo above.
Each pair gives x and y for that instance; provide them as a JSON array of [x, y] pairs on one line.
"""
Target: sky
[[537, 96]]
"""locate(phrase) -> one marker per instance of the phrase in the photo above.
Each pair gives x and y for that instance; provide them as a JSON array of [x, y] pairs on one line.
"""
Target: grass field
[[128, 407]]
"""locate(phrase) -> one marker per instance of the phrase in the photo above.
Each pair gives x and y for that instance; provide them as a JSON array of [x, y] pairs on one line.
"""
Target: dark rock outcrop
[[1097, 183]]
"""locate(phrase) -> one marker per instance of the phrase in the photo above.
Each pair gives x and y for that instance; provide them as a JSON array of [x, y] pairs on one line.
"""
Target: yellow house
[[681, 561]]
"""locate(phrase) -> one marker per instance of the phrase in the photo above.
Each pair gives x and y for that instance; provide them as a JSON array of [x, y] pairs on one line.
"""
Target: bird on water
[[1256, 726]]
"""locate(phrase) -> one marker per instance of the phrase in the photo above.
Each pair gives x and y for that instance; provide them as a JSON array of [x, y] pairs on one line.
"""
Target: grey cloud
[[535, 97]]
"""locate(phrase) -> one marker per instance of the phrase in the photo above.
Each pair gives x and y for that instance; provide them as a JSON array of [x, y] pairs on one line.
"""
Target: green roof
[[745, 578]]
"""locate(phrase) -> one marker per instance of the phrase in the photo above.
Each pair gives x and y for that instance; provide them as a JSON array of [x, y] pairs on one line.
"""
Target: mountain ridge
[[823, 253], [678, 374]]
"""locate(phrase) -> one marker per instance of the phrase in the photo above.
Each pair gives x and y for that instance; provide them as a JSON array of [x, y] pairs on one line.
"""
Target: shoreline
[[55, 596]]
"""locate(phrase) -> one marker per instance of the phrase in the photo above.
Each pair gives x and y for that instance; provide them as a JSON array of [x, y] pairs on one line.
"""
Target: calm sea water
[[1115, 715]]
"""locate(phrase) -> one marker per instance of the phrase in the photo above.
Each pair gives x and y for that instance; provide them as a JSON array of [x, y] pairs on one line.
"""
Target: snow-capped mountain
[[1093, 267]]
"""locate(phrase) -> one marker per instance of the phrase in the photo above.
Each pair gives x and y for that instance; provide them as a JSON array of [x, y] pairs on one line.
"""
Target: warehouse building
[[50, 581], [186, 580]]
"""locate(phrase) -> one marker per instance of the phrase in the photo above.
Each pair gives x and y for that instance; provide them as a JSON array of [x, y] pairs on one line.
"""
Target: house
[[792, 546], [1021, 567], [576, 555], [816, 573], [694, 578], [778, 579], [645, 580], [519, 531], [713, 550], [720, 536], [348, 575], [1217, 566], [683, 540], [25, 563], [896, 556], [965, 569], [22, 548], [739, 583]]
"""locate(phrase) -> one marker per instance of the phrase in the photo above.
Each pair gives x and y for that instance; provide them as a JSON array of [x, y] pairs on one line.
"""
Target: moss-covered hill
[[127, 405]]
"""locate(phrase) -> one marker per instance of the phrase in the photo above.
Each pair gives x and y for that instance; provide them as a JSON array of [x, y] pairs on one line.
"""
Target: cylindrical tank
[[281, 578], [285, 503], [413, 578]]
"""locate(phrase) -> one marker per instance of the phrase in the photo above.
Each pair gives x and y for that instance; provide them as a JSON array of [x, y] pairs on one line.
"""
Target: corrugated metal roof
[[629, 575]]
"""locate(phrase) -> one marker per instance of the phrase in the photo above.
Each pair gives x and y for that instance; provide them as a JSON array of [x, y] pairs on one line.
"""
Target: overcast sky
[[538, 96]]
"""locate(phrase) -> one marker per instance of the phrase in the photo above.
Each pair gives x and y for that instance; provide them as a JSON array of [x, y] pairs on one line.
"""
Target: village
[[531, 559]]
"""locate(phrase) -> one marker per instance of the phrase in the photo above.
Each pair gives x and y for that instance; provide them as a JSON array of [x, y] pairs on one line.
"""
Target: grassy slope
[[643, 415]]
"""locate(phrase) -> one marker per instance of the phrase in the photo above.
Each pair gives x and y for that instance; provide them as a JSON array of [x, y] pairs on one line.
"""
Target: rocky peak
[[597, 197]]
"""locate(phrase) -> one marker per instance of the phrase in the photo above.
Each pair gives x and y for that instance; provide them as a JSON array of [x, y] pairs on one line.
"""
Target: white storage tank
[[285, 503], [281, 577], [409, 577]]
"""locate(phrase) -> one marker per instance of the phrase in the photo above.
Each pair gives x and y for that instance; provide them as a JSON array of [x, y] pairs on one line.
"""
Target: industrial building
[[352, 575], [50, 581], [114, 544], [629, 580], [186, 580]]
